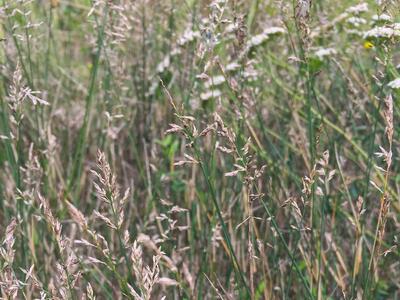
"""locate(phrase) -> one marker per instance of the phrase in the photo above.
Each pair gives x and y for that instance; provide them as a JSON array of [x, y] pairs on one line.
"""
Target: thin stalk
[[83, 133], [210, 186], [285, 245]]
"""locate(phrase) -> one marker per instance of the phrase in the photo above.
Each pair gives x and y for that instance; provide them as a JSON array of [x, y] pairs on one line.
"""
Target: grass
[[199, 149]]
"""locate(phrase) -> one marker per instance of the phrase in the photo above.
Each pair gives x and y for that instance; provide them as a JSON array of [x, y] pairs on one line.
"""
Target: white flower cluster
[[387, 31], [262, 37], [395, 84], [382, 17], [360, 8], [322, 52], [356, 21]]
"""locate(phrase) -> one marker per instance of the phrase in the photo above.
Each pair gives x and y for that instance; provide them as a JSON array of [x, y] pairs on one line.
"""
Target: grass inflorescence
[[199, 149]]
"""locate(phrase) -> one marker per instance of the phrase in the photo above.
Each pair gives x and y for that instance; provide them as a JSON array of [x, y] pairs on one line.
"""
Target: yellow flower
[[368, 45]]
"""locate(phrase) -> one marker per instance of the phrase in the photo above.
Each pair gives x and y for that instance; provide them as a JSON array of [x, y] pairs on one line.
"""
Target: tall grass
[[199, 149]]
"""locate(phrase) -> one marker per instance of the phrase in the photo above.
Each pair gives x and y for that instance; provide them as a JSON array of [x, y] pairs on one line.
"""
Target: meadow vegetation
[[186, 149]]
